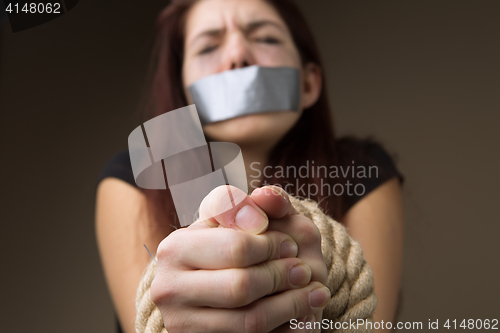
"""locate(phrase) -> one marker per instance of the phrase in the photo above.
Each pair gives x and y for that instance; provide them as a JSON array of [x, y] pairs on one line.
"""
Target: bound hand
[[214, 276]]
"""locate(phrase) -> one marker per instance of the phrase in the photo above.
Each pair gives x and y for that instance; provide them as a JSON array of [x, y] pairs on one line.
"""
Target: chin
[[252, 129]]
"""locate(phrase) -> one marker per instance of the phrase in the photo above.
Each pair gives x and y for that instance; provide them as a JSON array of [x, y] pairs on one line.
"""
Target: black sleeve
[[119, 166], [377, 164]]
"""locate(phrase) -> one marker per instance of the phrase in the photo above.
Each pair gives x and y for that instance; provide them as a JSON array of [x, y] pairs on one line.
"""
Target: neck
[[255, 159]]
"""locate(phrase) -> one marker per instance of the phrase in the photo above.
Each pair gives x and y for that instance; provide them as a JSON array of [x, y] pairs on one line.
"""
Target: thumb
[[228, 206], [274, 201]]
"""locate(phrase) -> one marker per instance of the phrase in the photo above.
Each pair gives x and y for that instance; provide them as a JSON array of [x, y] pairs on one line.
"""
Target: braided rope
[[350, 278]]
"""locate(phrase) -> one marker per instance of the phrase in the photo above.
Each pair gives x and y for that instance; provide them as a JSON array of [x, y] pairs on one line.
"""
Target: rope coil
[[350, 279]]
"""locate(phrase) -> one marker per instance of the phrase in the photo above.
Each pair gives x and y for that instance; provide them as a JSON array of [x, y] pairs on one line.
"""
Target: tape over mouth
[[245, 91]]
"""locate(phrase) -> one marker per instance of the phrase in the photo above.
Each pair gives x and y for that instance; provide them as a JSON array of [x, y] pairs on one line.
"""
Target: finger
[[221, 248], [308, 237], [263, 315], [303, 302], [232, 208], [274, 201], [236, 287], [306, 324]]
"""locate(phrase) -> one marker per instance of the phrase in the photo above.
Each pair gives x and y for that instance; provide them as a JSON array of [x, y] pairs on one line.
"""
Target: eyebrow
[[250, 27]]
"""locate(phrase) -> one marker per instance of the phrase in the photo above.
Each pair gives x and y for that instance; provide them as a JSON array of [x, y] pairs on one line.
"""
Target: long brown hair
[[311, 139]]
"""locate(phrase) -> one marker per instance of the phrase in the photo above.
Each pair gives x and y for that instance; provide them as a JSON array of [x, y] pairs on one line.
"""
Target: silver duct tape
[[245, 91]]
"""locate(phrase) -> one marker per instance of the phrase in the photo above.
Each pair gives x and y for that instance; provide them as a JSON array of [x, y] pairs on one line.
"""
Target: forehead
[[219, 14]]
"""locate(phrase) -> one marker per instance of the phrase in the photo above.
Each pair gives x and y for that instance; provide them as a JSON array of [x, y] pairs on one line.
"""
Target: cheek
[[275, 57], [191, 72], [285, 54], [195, 69]]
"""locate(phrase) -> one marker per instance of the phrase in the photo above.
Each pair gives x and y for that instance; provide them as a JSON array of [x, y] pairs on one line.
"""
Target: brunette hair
[[311, 139]]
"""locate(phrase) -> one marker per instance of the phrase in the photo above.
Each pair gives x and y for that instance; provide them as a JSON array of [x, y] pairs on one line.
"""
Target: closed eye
[[208, 49], [268, 40]]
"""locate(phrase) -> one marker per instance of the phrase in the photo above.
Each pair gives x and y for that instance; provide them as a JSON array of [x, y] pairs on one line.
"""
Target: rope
[[350, 279]]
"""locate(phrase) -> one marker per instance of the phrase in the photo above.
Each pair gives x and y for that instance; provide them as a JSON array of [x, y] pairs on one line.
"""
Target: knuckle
[[308, 232], [154, 292], [169, 247], [278, 277], [299, 303], [161, 291], [255, 321], [163, 249], [239, 288], [238, 249], [272, 241]]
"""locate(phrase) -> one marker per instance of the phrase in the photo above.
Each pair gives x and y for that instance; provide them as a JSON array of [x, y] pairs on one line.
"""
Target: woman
[[197, 39]]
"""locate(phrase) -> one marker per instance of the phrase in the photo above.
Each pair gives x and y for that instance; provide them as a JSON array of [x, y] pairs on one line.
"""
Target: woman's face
[[228, 34]]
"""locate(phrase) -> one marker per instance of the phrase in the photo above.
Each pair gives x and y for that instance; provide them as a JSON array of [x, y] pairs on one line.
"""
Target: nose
[[237, 53], [235, 64]]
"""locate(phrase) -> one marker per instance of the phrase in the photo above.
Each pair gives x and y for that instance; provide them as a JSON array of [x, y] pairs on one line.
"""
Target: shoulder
[[370, 166], [120, 167]]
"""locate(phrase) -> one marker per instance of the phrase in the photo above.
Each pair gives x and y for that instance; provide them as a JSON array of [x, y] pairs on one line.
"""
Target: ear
[[311, 84]]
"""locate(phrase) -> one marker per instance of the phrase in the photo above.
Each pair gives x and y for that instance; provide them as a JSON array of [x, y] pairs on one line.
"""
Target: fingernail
[[319, 297], [250, 219], [299, 275], [289, 249]]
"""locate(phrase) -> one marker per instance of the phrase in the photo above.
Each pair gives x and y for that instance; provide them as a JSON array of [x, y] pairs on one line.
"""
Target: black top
[[361, 155]]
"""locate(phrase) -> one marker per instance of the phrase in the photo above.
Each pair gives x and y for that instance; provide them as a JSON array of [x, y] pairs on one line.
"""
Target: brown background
[[422, 77]]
